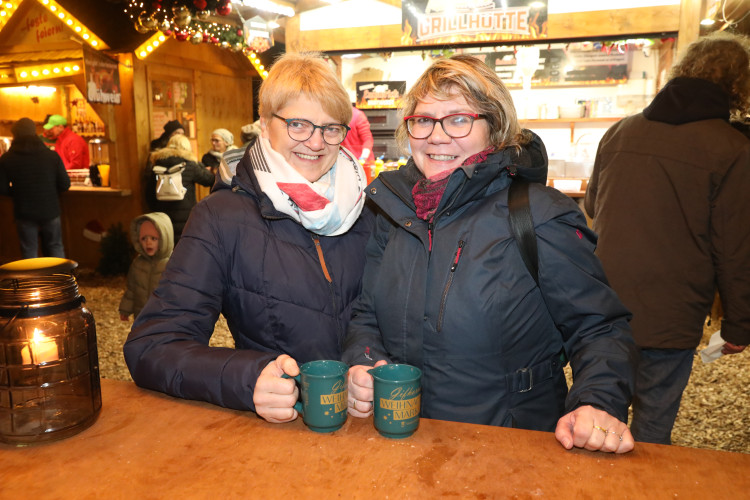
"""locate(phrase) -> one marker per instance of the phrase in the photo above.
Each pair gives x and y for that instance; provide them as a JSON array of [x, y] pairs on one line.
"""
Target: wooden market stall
[[43, 44]]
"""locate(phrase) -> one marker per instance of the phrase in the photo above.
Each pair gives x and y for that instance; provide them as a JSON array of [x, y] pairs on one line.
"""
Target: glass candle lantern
[[49, 367]]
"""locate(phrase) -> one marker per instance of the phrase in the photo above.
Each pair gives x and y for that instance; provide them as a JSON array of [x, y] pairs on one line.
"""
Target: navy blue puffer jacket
[[469, 314], [240, 257]]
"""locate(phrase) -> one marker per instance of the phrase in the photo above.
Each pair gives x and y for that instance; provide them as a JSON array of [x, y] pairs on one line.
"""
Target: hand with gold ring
[[360, 386], [595, 430]]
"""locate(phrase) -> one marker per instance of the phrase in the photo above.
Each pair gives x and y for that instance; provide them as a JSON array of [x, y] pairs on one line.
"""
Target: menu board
[[380, 95], [561, 67]]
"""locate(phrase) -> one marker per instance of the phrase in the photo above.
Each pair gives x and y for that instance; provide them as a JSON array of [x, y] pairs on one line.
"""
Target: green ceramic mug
[[323, 391], [398, 399]]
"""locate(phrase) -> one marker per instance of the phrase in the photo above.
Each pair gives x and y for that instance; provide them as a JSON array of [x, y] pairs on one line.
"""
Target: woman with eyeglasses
[[279, 250], [446, 289]]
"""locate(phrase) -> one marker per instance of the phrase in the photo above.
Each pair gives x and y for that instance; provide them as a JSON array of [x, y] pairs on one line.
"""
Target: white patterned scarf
[[329, 206]]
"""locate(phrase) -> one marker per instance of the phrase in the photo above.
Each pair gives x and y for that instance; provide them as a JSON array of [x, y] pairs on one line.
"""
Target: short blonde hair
[[304, 74], [182, 144], [483, 90], [724, 59]]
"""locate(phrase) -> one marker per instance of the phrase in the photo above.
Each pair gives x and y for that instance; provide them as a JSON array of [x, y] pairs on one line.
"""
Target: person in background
[[153, 240], [249, 132], [359, 139], [280, 254], [669, 199], [177, 151], [446, 289], [221, 141], [171, 128], [46, 135], [71, 147], [33, 176]]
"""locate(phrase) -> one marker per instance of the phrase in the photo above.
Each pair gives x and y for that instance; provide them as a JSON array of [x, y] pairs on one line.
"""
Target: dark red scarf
[[428, 192]]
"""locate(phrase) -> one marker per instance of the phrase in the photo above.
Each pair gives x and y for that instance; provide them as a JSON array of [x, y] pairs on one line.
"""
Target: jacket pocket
[[451, 274]]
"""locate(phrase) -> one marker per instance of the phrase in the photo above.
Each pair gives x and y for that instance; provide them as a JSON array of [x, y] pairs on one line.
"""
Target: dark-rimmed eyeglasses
[[456, 126], [301, 130]]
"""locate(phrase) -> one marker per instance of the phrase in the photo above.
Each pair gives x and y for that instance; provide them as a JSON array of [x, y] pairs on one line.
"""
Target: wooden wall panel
[[223, 103]]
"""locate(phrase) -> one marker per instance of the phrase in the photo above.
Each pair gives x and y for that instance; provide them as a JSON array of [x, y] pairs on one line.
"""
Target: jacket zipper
[[327, 275], [444, 299]]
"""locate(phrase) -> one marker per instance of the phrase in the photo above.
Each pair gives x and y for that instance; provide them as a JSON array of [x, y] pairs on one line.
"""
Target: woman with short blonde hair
[[278, 249]]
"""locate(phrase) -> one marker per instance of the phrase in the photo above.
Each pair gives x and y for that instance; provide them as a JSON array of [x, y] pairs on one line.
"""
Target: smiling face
[[148, 237], [440, 152], [311, 158]]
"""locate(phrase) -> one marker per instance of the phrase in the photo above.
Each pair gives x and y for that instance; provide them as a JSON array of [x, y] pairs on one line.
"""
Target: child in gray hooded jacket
[[153, 238]]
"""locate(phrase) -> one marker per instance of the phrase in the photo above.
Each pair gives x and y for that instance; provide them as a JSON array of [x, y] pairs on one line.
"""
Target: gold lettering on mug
[[402, 408], [408, 393], [337, 398]]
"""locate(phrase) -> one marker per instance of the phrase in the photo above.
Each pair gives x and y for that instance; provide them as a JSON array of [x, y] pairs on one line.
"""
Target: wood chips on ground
[[715, 410]]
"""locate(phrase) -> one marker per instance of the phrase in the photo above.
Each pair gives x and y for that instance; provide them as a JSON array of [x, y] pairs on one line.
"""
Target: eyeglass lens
[[456, 126], [301, 130]]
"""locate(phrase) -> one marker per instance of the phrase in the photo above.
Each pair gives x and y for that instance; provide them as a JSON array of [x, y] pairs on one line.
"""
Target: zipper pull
[[458, 255], [430, 226]]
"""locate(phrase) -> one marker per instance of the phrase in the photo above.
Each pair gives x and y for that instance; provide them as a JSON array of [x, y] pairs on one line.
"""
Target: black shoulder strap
[[522, 225]]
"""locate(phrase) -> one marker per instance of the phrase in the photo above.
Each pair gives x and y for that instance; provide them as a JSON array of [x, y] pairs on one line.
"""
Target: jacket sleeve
[[4, 183], [126, 303], [730, 244], [363, 344], [592, 320], [202, 175], [364, 132], [149, 186], [592, 186], [167, 349], [62, 177]]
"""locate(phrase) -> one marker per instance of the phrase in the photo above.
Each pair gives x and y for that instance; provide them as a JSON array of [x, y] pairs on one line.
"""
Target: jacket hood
[[164, 153], [685, 100], [163, 225]]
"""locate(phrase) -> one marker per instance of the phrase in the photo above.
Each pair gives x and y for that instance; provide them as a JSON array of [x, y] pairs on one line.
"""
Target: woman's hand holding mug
[[274, 396], [361, 386]]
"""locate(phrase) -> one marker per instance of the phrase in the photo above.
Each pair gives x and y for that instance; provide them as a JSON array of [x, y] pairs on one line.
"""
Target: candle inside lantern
[[40, 350]]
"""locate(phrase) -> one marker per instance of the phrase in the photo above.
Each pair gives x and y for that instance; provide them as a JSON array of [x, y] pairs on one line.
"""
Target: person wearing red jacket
[[71, 147], [359, 138]]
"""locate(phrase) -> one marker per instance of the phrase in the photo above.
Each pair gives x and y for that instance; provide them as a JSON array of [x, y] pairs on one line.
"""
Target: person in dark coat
[[669, 196], [171, 128], [177, 151], [279, 254], [34, 176], [445, 287]]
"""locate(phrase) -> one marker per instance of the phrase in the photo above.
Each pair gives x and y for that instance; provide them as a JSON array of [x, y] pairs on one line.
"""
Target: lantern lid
[[40, 266]]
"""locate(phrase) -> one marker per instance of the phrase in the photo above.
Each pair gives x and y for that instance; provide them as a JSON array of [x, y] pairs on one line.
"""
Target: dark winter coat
[[145, 270], [670, 198], [242, 258], [469, 314], [37, 176], [194, 172]]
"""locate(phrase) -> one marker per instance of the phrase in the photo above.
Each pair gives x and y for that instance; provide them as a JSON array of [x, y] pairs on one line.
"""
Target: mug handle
[[298, 404]]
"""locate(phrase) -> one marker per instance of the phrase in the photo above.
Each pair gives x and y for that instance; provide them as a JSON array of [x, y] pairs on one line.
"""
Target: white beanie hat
[[224, 134]]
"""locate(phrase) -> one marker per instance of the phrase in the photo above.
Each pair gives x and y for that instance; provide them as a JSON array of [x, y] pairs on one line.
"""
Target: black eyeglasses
[[301, 130], [456, 126]]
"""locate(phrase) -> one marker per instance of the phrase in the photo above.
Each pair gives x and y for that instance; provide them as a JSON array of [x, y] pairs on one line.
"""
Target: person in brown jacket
[[670, 200]]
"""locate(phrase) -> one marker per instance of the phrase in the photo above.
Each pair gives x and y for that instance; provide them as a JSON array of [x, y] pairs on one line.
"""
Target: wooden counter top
[[147, 445]]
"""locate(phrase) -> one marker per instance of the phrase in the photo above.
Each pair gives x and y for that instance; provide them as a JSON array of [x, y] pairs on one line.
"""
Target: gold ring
[[601, 429]]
